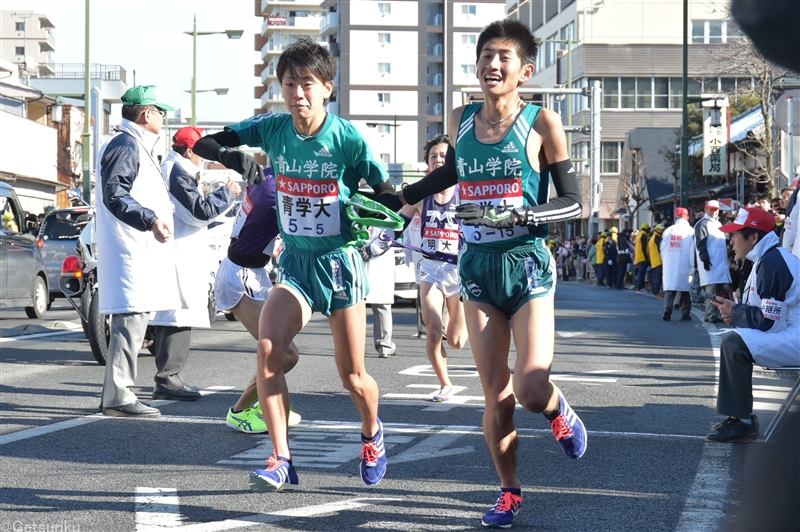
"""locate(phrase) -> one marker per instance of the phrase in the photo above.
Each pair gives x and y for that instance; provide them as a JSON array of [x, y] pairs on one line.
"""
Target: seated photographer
[[767, 322]]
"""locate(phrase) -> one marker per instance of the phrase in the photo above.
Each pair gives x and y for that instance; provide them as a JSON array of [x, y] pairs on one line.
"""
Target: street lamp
[[220, 92], [232, 34]]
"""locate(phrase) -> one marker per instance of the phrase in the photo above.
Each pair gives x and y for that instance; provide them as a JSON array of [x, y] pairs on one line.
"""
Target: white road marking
[[157, 509], [36, 335], [704, 507], [161, 511], [436, 445]]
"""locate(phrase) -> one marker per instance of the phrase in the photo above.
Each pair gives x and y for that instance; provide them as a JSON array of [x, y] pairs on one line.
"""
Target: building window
[[550, 50], [469, 40], [627, 93], [644, 93], [386, 159], [661, 93], [385, 38], [610, 93], [468, 70], [19, 50], [610, 157], [19, 26], [384, 98], [384, 8], [468, 9], [384, 68], [714, 31]]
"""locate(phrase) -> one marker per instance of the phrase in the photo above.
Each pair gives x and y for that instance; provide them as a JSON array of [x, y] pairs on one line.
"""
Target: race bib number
[[771, 309], [502, 194], [309, 207]]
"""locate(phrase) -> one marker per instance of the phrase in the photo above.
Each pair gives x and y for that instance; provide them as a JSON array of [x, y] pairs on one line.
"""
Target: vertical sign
[[715, 141]]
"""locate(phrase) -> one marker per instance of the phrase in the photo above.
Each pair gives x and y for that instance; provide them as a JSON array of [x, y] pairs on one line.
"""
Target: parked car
[[23, 277], [57, 238]]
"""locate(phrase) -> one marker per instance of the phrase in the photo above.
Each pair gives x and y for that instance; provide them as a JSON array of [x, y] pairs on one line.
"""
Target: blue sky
[[146, 36]]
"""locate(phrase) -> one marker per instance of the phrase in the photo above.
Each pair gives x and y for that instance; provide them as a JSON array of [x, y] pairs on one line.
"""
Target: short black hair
[[514, 31], [306, 56], [435, 141], [132, 112]]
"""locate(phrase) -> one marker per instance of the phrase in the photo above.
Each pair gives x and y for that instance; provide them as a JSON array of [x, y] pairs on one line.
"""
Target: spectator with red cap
[[767, 322], [712, 257], [194, 211], [677, 256]]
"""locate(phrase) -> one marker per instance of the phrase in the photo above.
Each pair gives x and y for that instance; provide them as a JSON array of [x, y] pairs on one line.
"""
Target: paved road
[[645, 389]]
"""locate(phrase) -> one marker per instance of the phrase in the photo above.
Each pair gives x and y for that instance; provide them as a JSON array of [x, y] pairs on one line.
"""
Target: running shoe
[[444, 394], [373, 457], [568, 429], [505, 510], [248, 420], [294, 417], [278, 476]]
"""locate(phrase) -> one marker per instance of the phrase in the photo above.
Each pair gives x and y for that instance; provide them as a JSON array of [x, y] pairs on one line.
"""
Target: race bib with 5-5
[[308, 207]]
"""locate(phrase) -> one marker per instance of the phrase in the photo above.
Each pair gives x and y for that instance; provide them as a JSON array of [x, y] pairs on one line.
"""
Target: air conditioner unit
[[437, 20], [437, 109], [437, 79], [437, 49]]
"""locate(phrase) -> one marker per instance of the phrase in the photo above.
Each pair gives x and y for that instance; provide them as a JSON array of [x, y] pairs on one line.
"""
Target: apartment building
[[401, 63], [634, 48], [26, 40]]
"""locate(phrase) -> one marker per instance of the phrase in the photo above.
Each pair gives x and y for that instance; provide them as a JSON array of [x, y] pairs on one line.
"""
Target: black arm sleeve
[[701, 239], [568, 203], [440, 179], [208, 147]]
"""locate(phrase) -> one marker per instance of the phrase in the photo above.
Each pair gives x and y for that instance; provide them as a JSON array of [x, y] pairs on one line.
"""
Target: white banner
[[715, 142]]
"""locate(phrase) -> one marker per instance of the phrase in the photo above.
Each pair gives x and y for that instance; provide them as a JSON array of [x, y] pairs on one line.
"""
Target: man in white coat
[[136, 266], [194, 212], [712, 257], [380, 273], [767, 322], [677, 256]]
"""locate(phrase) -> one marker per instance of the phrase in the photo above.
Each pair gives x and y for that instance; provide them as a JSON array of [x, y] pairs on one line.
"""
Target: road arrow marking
[[158, 509]]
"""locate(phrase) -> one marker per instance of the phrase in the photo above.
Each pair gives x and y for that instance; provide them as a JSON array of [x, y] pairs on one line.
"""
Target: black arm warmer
[[208, 147], [568, 203], [440, 179]]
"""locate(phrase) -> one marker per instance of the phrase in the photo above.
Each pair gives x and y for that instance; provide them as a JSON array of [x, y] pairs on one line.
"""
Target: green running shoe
[[294, 417], [248, 420]]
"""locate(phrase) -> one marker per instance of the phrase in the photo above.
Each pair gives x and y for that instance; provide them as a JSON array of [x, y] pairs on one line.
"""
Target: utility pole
[[87, 118], [684, 200]]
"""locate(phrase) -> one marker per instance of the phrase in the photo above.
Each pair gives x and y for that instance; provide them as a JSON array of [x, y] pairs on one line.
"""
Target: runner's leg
[[490, 337], [456, 326], [534, 331], [248, 312], [349, 326], [284, 315], [431, 306]]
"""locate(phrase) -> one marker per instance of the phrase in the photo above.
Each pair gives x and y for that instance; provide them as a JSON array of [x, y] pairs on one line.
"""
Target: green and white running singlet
[[501, 175], [313, 176]]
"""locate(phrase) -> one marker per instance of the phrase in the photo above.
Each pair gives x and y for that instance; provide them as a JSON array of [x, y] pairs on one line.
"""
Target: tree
[[738, 58], [633, 185]]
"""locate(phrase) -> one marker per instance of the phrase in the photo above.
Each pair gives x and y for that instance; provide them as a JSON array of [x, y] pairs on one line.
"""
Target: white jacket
[[768, 320], [677, 256], [136, 273], [790, 228], [709, 239], [194, 212]]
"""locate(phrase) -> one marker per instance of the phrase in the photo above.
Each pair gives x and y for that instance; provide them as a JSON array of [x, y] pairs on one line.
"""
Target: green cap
[[143, 95]]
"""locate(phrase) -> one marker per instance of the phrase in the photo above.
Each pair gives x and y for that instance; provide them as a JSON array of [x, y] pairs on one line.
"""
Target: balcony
[[49, 44], [46, 68], [270, 98], [277, 22], [330, 24], [334, 48], [271, 48], [97, 71], [269, 5], [268, 74]]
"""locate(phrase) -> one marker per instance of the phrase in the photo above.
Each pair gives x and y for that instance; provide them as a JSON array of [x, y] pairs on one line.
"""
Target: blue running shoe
[[568, 429], [278, 476], [505, 510], [373, 458]]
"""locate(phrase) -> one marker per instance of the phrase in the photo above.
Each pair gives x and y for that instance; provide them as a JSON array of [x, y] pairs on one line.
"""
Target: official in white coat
[[136, 257], [194, 211], [380, 276], [712, 257], [767, 322], [677, 256]]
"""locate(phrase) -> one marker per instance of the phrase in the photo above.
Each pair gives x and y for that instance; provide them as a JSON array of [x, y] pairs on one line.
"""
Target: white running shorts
[[233, 282], [442, 275]]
